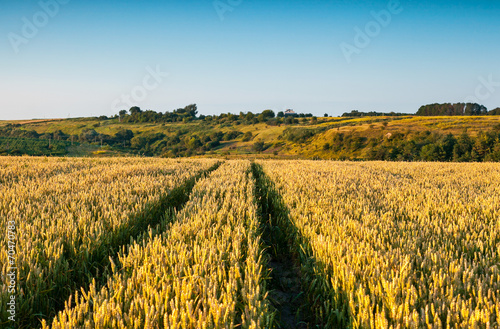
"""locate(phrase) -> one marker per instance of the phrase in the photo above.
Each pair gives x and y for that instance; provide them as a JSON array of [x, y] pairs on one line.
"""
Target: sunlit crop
[[204, 271], [69, 213], [165, 243], [396, 244]]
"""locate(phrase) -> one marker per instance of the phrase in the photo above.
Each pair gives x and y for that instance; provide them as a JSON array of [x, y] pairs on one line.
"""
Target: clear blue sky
[[248, 56]]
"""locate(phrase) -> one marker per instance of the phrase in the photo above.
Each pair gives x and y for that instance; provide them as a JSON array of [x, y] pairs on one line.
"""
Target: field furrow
[[71, 217], [396, 245], [205, 271], [286, 291], [199, 243]]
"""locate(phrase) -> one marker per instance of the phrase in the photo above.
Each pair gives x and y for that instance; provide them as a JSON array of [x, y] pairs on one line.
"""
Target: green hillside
[[409, 138]]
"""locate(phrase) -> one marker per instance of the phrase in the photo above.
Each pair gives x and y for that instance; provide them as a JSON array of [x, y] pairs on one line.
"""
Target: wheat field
[[166, 243], [397, 245]]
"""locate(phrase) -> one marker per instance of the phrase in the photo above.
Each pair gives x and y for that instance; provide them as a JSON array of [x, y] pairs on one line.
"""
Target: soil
[[286, 293]]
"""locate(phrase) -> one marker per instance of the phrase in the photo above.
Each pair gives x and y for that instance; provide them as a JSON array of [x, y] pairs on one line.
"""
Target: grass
[[366, 127]]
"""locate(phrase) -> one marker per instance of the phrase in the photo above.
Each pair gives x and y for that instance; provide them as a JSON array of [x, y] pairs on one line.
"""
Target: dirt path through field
[[285, 288]]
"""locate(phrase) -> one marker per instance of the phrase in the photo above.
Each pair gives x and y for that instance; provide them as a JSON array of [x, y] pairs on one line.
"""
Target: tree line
[[190, 113], [446, 109], [356, 113]]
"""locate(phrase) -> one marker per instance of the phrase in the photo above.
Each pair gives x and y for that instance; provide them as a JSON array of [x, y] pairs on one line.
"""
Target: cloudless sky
[[250, 55]]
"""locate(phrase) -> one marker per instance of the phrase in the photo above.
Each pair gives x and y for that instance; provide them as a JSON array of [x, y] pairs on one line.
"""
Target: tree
[[194, 143], [448, 144], [216, 136], [249, 116], [280, 114], [326, 115], [462, 149], [59, 135], [452, 109], [138, 142], [483, 145], [258, 146], [247, 136], [495, 111], [495, 154], [89, 135], [135, 110], [268, 114], [475, 109], [124, 136], [230, 135], [432, 152], [122, 114], [410, 151], [191, 110]]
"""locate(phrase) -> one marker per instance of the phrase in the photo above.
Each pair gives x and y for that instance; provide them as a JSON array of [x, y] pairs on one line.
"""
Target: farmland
[[206, 243], [394, 245]]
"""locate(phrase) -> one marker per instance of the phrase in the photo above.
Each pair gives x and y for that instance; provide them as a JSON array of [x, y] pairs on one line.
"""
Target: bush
[[247, 136], [231, 135], [259, 146], [299, 135]]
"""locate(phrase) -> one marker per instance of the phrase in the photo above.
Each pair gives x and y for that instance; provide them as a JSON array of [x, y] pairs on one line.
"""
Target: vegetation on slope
[[184, 133]]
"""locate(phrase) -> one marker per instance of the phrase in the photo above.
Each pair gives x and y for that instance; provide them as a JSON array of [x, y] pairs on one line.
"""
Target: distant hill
[[183, 133]]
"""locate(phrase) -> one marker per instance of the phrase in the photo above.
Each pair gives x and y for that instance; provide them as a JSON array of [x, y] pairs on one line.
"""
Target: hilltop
[[397, 137]]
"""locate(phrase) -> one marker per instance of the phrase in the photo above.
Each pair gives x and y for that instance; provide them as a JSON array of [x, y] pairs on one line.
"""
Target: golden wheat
[[69, 211], [205, 271], [382, 245], [398, 245]]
